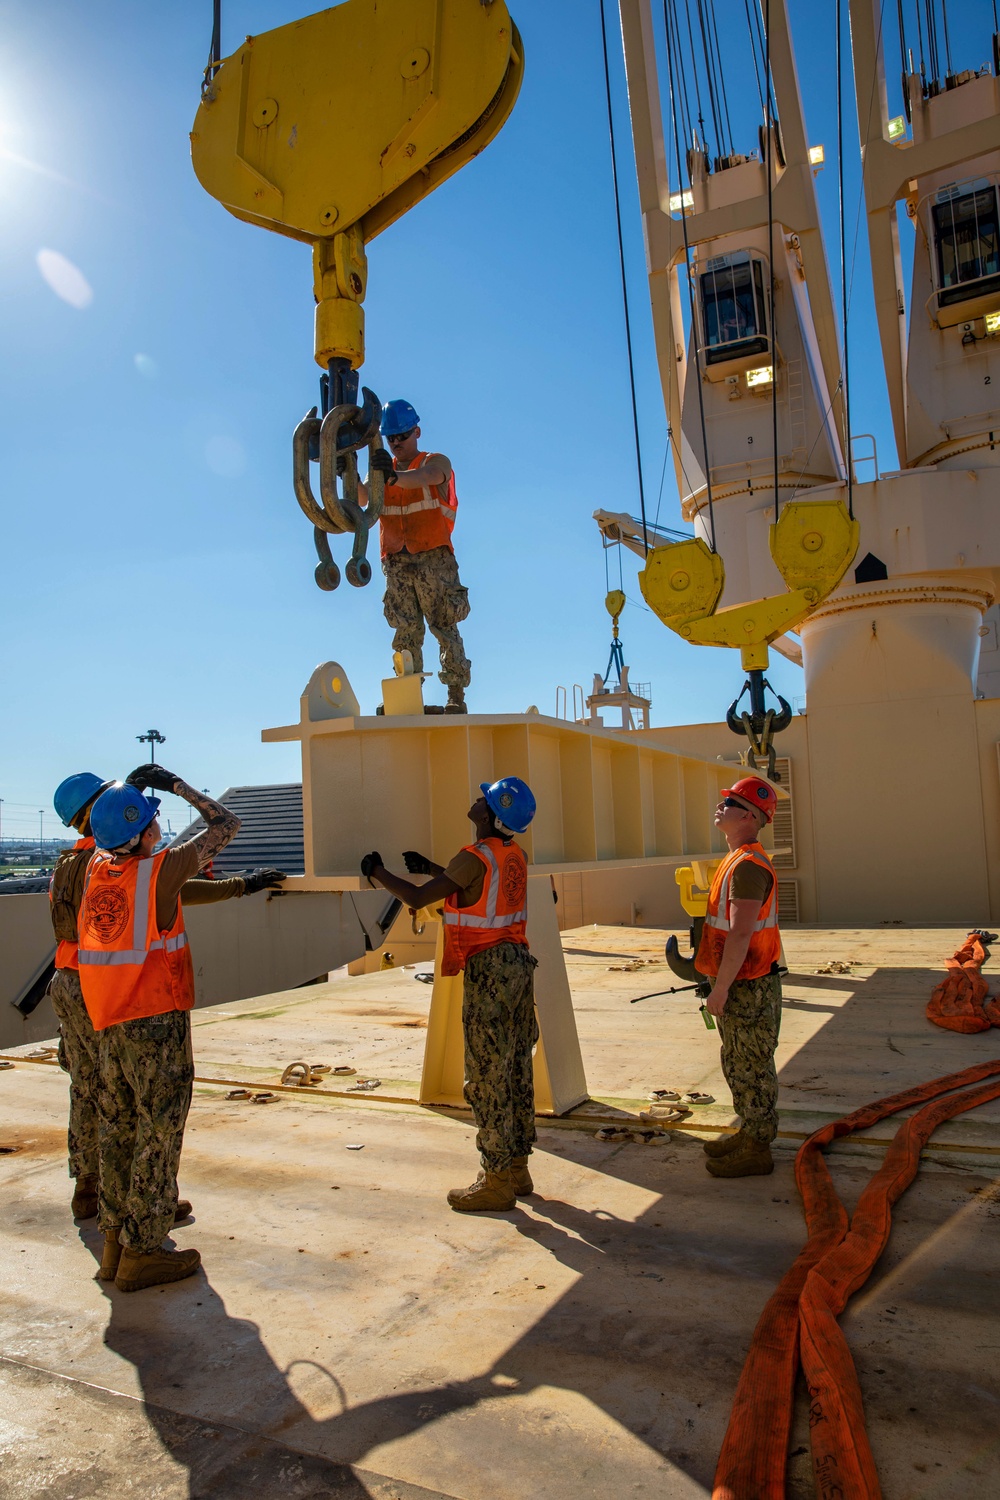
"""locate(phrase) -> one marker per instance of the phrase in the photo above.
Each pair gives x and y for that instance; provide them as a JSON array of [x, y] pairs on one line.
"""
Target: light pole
[[41, 820]]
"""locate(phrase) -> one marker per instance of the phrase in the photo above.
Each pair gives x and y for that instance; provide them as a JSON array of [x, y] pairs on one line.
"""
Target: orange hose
[[957, 1002], [800, 1320]]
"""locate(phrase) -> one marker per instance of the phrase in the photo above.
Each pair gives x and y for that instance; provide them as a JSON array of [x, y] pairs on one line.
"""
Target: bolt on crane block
[[328, 130]]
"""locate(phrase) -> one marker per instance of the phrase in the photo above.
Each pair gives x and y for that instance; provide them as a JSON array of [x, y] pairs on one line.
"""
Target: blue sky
[[158, 571]]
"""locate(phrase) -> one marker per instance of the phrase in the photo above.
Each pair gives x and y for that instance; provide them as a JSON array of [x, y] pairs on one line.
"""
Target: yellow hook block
[[682, 582], [813, 543], [614, 603]]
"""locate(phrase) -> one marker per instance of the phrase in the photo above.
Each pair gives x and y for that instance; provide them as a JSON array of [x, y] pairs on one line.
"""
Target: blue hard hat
[[510, 800], [73, 794], [120, 815], [398, 416]]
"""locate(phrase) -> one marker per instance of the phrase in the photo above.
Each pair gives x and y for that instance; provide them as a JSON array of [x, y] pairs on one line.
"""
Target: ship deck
[[350, 1335]]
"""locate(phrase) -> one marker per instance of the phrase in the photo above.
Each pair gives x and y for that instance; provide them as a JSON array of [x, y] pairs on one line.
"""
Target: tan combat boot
[[750, 1159], [135, 1272], [84, 1203], [492, 1192], [182, 1211], [723, 1144], [111, 1256], [523, 1185]]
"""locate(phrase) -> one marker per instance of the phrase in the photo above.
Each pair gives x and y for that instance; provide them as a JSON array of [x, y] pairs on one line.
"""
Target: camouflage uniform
[[145, 1091], [498, 1019], [749, 1027], [423, 586], [77, 1057]]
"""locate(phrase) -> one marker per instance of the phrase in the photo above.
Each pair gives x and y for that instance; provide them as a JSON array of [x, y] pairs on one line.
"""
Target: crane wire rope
[[769, 129], [215, 47], [723, 91], [947, 37], [621, 262], [688, 134], [902, 48], [846, 366], [716, 118], [920, 45], [672, 34], [753, 53]]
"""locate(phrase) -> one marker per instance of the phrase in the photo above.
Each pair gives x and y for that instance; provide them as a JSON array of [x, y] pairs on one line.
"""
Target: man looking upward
[[740, 950], [418, 560]]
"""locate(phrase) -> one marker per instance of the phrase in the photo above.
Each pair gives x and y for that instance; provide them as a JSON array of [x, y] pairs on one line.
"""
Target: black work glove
[[341, 465], [381, 462], [417, 864], [152, 776], [259, 880], [371, 862]]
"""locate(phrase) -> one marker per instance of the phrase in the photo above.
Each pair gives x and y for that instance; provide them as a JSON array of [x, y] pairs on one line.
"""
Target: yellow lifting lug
[[682, 582], [330, 128], [813, 543]]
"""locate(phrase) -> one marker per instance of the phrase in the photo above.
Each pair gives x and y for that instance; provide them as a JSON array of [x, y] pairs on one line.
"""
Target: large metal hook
[[682, 964]]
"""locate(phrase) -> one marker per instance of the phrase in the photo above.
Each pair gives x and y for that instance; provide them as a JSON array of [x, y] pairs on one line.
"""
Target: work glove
[[341, 465], [417, 864], [259, 880], [371, 862], [152, 776], [381, 462]]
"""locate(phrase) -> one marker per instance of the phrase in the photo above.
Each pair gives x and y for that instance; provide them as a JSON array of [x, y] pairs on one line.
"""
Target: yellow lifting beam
[[813, 543], [330, 128]]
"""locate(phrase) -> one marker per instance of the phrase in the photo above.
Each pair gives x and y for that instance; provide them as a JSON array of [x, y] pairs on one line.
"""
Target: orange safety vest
[[128, 967], [500, 914], [418, 519], [66, 956], [765, 941]]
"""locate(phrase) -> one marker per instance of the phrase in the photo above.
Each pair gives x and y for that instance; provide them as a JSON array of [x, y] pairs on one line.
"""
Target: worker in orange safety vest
[[138, 986], [418, 559], [740, 950], [485, 895]]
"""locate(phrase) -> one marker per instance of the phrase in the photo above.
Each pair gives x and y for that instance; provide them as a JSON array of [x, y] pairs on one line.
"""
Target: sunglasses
[[732, 802], [400, 437]]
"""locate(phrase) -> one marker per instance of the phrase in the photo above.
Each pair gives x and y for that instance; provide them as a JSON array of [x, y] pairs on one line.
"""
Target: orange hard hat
[[755, 791]]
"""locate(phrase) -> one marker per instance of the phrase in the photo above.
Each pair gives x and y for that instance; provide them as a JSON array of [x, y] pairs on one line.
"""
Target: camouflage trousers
[[78, 1058], [146, 1075], [749, 1028], [498, 1019], [423, 586]]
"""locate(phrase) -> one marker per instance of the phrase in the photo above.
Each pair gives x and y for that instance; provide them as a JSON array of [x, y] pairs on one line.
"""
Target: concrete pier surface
[[349, 1335]]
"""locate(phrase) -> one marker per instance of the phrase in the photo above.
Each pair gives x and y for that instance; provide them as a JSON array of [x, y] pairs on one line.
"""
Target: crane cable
[[215, 49], [621, 262], [769, 143], [671, 34], [848, 454]]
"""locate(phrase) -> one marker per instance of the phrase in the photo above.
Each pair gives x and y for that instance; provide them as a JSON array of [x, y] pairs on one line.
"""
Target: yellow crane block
[[330, 128], [813, 543], [695, 881]]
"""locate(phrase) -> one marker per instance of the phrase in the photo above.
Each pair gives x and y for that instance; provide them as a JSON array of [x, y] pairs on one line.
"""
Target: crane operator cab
[[732, 306]]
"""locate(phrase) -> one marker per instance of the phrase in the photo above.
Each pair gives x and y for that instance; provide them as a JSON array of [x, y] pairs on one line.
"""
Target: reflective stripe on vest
[[468, 930], [422, 523], [764, 948], [150, 974], [459, 918], [67, 950]]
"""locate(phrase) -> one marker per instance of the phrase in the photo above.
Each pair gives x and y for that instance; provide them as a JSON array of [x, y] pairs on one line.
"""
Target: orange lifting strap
[[800, 1320], [959, 1003]]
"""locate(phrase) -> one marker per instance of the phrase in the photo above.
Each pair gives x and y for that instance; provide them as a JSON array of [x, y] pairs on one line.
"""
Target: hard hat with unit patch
[[73, 794], [511, 802], [120, 815], [397, 417], [755, 792]]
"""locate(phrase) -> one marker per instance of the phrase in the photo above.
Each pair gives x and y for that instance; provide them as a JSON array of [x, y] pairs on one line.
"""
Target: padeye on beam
[[327, 130]]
